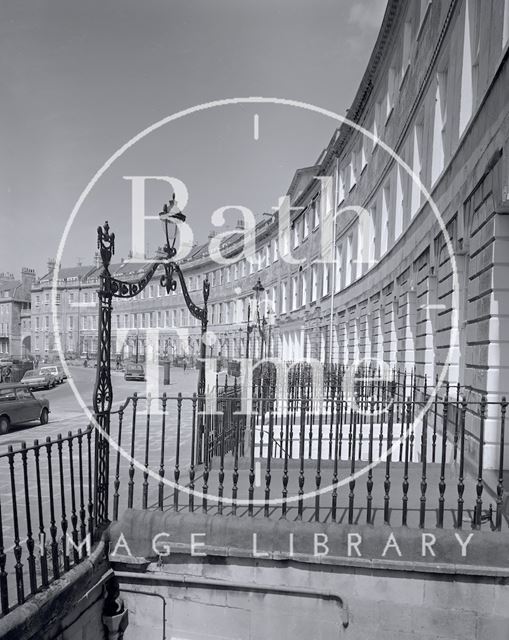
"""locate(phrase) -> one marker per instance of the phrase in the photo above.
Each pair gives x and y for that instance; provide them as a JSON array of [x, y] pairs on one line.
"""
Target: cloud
[[367, 14]]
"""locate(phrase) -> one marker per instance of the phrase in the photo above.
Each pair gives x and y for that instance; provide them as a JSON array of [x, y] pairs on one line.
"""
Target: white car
[[55, 371]]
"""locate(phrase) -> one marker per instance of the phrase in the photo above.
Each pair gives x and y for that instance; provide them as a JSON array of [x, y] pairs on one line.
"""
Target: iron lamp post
[[260, 322], [109, 288]]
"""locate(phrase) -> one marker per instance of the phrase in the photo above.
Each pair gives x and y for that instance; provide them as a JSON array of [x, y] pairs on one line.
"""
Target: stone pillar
[[487, 332]]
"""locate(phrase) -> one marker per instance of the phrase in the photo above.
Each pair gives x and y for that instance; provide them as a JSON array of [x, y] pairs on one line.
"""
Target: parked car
[[62, 372], [36, 379], [56, 371], [134, 372], [19, 405]]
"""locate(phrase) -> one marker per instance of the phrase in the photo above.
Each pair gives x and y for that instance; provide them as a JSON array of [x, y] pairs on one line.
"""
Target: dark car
[[19, 405], [134, 372], [35, 379]]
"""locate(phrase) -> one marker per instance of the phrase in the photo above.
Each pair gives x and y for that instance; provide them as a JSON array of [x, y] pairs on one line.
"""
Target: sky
[[80, 79]]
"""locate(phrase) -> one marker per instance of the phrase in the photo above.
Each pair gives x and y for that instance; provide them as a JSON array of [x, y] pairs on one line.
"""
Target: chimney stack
[[27, 278]]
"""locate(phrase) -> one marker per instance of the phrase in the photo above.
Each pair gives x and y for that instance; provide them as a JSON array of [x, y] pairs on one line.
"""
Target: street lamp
[[111, 287], [249, 328], [259, 289]]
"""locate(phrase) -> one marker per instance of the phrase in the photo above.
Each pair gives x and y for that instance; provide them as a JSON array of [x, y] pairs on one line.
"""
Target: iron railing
[[46, 513], [389, 453], [381, 460]]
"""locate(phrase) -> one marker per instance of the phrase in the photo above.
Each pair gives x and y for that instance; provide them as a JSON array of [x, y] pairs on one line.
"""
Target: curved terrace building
[[364, 266], [392, 247]]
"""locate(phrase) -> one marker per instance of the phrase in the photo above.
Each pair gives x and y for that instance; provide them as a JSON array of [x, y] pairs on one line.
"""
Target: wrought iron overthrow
[[111, 287]]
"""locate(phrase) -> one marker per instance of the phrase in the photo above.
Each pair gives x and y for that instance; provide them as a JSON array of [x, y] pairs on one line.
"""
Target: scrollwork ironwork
[[111, 287]]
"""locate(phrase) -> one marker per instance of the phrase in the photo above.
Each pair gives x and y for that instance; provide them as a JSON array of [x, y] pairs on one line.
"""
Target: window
[[340, 187], [316, 212], [407, 42], [423, 11], [470, 62], [295, 292], [351, 169], [314, 282], [327, 197], [371, 238], [275, 253], [505, 29], [305, 224], [338, 269], [325, 280], [384, 219], [391, 90], [283, 297], [70, 323], [363, 161], [439, 126], [304, 290], [377, 124], [398, 218], [417, 168], [349, 260], [296, 234]]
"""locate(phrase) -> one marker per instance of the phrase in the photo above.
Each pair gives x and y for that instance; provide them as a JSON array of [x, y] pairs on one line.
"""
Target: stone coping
[[141, 537], [47, 609]]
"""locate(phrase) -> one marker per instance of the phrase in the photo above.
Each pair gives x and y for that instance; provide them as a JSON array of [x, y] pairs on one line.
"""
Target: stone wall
[[220, 589], [70, 609]]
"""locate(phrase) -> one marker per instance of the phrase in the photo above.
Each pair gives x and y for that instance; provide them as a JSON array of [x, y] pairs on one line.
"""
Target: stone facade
[[15, 313], [223, 588], [414, 271]]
